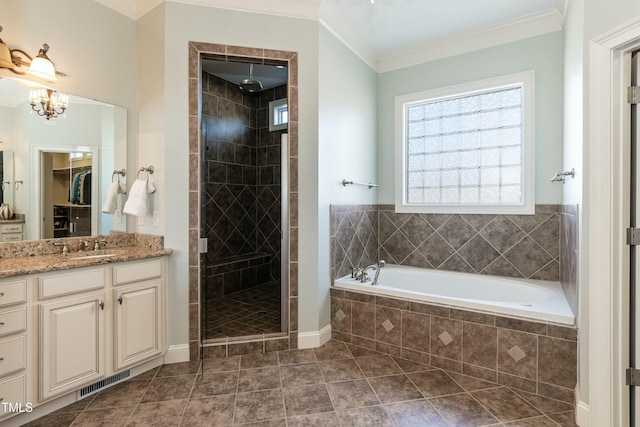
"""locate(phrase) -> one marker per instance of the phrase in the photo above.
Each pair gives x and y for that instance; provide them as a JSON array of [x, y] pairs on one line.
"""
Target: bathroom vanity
[[76, 320]]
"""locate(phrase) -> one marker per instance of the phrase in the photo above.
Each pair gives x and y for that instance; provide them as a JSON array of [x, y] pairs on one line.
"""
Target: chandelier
[[48, 103]]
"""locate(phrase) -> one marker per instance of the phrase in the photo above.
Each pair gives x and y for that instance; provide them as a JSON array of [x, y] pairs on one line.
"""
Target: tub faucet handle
[[356, 273]]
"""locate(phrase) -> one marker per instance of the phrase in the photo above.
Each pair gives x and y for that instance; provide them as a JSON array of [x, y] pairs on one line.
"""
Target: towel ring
[[120, 173], [148, 170]]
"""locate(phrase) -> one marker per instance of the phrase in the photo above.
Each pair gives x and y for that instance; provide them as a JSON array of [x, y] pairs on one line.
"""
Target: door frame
[[605, 279]]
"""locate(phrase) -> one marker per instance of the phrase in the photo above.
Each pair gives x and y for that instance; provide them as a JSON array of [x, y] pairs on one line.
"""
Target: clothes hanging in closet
[[80, 191]]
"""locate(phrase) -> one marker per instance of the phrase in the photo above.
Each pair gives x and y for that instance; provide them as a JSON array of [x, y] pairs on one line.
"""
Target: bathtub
[[532, 299]]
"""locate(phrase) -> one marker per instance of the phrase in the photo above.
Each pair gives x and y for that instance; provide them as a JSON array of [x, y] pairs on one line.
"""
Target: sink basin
[[93, 256]]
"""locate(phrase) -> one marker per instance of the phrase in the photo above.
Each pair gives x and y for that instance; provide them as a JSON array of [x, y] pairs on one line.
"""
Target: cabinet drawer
[[14, 391], [13, 355], [13, 292], [13, 321], [71, 282], [136, 272], [11, 228], [11, 237]]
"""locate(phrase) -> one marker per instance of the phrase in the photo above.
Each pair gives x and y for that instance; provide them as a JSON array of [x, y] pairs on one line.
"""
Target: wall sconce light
[[17, 60], [48, 103], [44, 101]]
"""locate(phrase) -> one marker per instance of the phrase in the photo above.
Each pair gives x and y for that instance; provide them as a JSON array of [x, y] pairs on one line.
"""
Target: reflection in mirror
[[6, 177], [67, 193], [96, 130]]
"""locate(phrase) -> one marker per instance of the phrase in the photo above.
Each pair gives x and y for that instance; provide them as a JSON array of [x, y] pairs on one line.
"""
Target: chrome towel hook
[[562, 176], [148, 170], [120, 173]]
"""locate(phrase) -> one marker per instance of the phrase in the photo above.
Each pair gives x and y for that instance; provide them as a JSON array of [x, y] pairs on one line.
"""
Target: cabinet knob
[[1, 324], [101, 305], [1, 359], [1, 294], [120, 300]]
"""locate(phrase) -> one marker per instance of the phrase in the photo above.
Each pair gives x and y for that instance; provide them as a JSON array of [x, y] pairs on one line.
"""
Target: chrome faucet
[[65, 247], [375, 267], [83, 245]]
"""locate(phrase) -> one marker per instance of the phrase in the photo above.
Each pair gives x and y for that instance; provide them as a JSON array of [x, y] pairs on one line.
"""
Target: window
[[278, 114], [467, 148]]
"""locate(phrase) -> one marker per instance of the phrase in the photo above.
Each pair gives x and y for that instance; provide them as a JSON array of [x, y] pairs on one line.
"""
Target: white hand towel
[[111, 200], [137, 202]]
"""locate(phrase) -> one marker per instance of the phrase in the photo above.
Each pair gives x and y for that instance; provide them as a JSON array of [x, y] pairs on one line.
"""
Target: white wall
[[542, 54], [573, 157], [347, 144]]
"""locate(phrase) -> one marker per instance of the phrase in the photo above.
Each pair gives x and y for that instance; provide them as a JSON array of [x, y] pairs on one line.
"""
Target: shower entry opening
[[243, 199]]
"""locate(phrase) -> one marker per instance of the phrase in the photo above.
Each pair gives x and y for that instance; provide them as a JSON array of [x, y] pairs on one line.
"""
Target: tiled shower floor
[[253, 311], [335, 385]]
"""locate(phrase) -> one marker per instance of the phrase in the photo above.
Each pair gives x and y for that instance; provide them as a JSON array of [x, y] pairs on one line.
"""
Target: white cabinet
[[96, 321], [138, 321], [72, 339], [67, 329], [138, 317], [11, 231], [14, 345]]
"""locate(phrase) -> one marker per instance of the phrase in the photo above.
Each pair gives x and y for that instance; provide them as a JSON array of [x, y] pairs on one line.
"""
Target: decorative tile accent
[[517, 353], [340, 315], [445, 338], [387, 325]]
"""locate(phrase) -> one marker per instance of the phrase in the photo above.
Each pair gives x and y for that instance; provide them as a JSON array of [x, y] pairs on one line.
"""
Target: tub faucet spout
[[375, 267]]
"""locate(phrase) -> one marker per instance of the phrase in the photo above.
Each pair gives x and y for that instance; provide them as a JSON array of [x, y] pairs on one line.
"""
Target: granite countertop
[[17, 266]]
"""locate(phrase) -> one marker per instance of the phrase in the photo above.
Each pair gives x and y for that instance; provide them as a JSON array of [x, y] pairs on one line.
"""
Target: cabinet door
[[72, 344], [138, 323]]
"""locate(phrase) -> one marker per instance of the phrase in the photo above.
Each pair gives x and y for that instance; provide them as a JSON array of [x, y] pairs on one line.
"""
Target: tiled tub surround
[[197, 156], [533, 356], [522, 246], [569, 254], [526, 246], [539, 358]]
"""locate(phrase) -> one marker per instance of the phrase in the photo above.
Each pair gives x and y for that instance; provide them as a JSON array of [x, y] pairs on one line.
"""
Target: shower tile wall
[[269, 224], [242, 188]]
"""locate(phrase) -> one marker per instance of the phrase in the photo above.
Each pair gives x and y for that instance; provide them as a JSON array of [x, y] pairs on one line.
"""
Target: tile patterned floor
[[335, 385], [253, 311]]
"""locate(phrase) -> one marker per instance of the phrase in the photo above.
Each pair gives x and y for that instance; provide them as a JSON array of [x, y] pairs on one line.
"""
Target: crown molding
[[321, 11], [300, 9], [333, 22], [529, 26]]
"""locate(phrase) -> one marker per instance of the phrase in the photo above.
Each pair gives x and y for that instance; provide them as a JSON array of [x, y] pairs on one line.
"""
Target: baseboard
[[177, 353], [314, 339], [583, 414]]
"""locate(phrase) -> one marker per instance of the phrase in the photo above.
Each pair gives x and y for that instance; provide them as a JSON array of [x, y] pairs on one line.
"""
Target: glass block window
[[467, 148]]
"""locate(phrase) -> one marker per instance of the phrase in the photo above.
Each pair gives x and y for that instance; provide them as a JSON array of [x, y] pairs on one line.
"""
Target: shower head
[[250, 84]]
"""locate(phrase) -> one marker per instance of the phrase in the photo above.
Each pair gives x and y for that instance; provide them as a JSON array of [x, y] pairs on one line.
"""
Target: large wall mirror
[[56, 172]]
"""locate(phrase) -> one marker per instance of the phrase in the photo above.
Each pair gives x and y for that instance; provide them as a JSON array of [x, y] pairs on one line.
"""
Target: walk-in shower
[[243, 200]]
